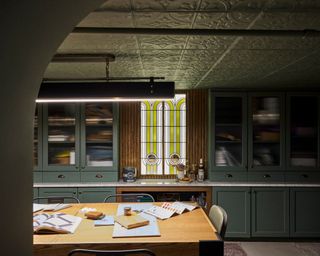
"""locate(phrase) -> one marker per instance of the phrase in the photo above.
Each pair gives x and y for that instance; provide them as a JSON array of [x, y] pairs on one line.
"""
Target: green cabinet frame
[[95, 195], [212, 132], [305, 212], [236, 202], [264, 168], [65, 173], [39, 149], [46, 166], [270, 212], [288, 132]]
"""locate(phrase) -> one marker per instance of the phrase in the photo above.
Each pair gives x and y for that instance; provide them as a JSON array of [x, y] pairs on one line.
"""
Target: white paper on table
[[159, 212], [105, 221]]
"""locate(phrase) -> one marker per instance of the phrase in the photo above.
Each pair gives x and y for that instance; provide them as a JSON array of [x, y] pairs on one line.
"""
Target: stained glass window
[[163, 135]]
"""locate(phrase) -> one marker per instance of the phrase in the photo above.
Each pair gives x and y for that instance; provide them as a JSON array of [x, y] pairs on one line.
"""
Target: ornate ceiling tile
[[288, 20], [278, 43], [160, 55], [163, 20], [107, 19], [209, 42], [232, 5], [99, 42], [163, 5], [227, 20], [161, 42], [116, 5]]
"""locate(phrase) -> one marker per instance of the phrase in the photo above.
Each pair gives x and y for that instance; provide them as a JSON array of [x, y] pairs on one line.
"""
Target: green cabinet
[[236, 202], [254, 212], [266, 129], [303, 131], [37, 140], [57, 192], [247, 133], [85, 195], [75, 138], [304, 212], [270, 212], [95, 195], [228, 133]]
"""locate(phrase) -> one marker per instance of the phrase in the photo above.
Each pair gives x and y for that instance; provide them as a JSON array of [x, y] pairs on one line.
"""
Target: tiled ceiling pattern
[[201, 61]]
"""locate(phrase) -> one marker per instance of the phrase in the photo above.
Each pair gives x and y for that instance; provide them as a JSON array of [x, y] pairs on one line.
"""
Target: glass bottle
[[201, 171]]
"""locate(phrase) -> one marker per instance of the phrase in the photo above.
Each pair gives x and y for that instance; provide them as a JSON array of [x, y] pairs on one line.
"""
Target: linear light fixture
[[104, 91]]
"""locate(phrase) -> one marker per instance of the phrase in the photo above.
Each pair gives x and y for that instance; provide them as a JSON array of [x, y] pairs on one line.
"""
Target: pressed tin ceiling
[[201, 61]]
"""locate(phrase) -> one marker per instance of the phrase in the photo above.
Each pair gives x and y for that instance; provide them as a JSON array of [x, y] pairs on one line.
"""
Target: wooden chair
[[218, 217], [56, 199], [112, 252], [136, 197]]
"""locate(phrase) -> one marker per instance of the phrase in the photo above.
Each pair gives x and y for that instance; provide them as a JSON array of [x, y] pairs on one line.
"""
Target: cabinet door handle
[[99, 176], [266, 176], [61, 176], [80, 193], [229, 175], [77, 167], [305, 175]]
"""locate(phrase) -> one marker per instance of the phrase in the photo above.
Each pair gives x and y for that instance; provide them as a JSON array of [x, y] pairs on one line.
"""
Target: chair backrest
[[218, 217], [57, 199], [132, 197], [112, 252]]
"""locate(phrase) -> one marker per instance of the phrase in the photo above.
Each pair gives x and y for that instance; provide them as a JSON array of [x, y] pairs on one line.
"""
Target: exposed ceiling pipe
[[199, 32]]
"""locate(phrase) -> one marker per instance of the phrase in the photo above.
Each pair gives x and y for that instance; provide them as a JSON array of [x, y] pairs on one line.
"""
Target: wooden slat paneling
[[197, 131], [197, 126], [129, 135]]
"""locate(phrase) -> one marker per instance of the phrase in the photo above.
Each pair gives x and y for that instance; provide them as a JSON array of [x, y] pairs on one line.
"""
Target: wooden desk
[[180, 235]]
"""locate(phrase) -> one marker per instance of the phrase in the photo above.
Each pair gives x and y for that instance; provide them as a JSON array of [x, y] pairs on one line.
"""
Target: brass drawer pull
[[229, 175], [266, 176], [61, 176], [99, 176]]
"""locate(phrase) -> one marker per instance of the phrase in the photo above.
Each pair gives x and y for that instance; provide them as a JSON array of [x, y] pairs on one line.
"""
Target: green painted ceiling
[[201, 61]]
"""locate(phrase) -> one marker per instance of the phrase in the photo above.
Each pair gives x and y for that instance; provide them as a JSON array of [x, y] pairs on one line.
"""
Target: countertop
[[174, 183]]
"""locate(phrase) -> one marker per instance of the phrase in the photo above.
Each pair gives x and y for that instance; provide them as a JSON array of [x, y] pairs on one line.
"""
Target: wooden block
[[132, 221], [94, 215]]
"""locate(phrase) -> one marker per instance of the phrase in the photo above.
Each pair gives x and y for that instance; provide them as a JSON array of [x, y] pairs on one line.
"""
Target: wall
[[197, 130], [31, 31]]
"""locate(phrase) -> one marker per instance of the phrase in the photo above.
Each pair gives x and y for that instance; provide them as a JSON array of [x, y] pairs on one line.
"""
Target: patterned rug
[[233, 249], [309, 249]]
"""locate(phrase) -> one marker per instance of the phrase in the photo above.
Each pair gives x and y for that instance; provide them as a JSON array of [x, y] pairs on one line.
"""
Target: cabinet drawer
[[99, 176], [61, 177], [229, 176], [303, 177], [266, 177], [37, 177]]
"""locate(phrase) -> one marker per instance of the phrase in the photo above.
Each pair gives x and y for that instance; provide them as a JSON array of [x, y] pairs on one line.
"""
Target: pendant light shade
[[104, 91]]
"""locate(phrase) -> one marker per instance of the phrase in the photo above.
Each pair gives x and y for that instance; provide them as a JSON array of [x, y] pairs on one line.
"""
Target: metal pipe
[[102, 79], [83, 57], [198, 32]]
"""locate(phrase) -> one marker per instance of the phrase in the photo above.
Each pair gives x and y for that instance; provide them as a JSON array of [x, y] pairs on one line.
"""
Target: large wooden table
[[185, 234]]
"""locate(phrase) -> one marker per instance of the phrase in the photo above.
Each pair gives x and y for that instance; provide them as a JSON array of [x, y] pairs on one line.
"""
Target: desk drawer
[[265, 177], [229, 176], [61, 177], [99, 176]]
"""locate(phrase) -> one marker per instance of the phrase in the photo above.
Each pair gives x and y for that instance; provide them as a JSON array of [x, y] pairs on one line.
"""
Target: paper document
[[105, 221], [55, 223], [166, 210], [49, 207]]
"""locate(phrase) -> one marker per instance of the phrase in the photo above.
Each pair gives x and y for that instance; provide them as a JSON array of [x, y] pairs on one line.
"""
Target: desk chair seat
[[112, 252], [136, 196], [218, 217], [56, 199]]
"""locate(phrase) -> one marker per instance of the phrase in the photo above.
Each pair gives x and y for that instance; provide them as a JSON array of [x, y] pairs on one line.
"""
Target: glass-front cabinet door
[[303, 130], [266, 131], [61, 134], [37, 139], [97, 136], [229, 135]]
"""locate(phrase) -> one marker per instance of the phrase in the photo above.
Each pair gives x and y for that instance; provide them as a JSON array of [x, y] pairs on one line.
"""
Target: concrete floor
[[279, 248]]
